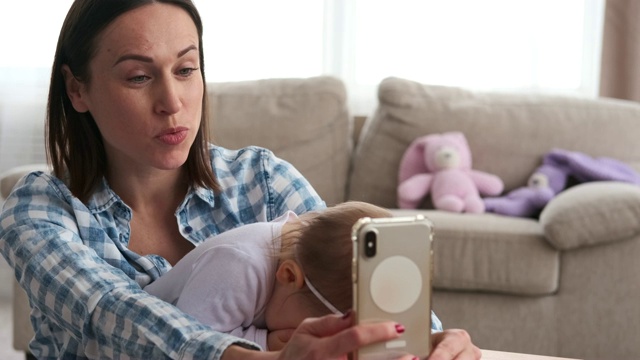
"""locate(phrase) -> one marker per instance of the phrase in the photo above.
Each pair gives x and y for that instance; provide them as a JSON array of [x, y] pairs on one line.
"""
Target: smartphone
[[392, 271]]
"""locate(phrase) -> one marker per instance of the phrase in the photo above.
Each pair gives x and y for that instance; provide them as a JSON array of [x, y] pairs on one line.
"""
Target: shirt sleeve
[[98, 308], [227, 289], [436, 324], [253, 333], [227, 281]]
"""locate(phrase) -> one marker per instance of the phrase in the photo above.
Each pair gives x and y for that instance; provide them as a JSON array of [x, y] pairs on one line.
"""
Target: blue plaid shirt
[[85, 285]]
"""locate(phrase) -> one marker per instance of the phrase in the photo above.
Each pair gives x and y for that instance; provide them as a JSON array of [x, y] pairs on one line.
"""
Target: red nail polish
[[399, 328], [347, 314]]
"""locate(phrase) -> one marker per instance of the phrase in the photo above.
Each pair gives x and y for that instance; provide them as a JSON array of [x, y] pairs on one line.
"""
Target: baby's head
[[314, 272]]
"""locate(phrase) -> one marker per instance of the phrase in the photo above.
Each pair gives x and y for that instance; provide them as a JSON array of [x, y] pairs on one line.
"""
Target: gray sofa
[[565, 284]]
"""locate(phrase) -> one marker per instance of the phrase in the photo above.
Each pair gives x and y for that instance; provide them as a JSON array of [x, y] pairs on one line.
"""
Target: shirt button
[[188, 229]]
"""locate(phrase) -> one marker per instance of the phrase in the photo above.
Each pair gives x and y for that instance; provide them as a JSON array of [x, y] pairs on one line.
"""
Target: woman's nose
[[167, 99]]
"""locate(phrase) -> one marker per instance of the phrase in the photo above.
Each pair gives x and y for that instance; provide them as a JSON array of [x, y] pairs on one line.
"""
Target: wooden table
[[501, 355]]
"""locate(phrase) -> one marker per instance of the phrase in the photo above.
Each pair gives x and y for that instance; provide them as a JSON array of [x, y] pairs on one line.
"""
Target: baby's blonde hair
[[323, 248]]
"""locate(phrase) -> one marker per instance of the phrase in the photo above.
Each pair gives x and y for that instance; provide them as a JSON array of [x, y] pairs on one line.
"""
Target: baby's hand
[[277, 339]]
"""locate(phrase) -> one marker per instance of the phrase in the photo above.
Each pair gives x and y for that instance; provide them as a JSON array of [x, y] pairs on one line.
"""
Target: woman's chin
[[171, 161]]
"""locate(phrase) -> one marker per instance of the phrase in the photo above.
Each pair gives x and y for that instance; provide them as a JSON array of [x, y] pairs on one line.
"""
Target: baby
[[260, 281]]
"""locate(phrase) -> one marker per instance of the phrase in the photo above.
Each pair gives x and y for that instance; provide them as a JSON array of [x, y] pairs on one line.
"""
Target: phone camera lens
[[370, 244]]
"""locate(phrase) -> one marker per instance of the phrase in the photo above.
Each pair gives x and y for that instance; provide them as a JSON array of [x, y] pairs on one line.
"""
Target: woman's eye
[[139, 79], [186, 71]]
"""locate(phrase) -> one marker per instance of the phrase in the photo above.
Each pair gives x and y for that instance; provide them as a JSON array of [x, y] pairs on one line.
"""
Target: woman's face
[[146, 88]]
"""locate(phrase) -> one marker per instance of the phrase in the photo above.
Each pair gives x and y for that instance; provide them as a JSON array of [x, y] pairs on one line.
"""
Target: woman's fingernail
[[347, 314], [415, 358], [399, 328]]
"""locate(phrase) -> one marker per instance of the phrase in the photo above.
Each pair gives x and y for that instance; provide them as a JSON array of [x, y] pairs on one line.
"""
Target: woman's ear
[[75, 90], [290, 273]]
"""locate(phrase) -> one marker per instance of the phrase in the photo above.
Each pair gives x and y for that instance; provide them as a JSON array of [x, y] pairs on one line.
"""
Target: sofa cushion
[[303, 121], [592, 213], [491, 253], [508, 133]]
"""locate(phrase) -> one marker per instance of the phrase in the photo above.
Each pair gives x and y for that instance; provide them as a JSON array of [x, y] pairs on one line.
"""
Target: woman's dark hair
[[74, 144], [324, 248]]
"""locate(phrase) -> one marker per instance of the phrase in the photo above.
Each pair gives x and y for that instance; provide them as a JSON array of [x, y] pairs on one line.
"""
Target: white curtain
[[29, 34], [516, 45]]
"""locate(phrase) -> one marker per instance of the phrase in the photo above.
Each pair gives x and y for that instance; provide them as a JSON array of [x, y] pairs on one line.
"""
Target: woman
[[135, 187]]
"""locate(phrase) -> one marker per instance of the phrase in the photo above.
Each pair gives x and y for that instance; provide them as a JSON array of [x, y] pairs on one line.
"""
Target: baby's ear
[[290, 273]]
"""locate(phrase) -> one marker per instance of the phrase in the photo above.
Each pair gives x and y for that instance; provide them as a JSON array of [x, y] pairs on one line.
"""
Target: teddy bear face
[[550, 176], [538, 180], [447, 157], [446, 151]]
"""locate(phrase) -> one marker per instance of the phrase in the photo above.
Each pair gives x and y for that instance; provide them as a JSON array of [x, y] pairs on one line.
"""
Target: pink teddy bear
[[441, 164]]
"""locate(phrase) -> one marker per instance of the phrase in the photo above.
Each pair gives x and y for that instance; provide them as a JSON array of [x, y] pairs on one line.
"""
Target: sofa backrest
[[508, 133], [303, 121]]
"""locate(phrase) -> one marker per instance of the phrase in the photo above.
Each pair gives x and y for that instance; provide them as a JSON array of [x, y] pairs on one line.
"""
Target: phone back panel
[[393, 282]]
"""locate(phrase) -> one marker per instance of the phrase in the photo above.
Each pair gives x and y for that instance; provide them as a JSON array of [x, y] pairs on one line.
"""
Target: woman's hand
[[334, 338], [327, 338], [453, 344]]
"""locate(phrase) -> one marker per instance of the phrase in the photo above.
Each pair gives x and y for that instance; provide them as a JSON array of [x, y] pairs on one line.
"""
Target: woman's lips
[[173, 136]]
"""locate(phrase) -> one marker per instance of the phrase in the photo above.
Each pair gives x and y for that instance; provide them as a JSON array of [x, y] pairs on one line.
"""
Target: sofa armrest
[[22, 330], [592, 213], [9, 178]]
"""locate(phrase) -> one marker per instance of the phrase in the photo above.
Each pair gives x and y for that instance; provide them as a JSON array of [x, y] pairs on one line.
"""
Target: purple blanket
[[585, 168]]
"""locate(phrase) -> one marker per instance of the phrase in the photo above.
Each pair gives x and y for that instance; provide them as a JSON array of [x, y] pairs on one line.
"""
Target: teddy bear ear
[[413, 161]]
